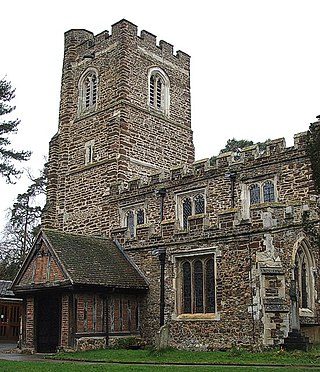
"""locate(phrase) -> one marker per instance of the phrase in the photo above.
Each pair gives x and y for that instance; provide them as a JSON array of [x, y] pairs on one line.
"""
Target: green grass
[[6, 366], [234, 360], [176, 356]]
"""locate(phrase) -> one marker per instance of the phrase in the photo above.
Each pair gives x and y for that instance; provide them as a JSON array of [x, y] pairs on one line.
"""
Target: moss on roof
[[94, 260]]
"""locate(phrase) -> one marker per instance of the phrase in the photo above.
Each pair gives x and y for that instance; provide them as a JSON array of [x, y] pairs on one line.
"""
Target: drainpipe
[[161, 253], [232, 180]]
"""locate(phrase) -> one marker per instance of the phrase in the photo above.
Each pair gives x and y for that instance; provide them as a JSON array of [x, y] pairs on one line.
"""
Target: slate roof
[[94, 260]]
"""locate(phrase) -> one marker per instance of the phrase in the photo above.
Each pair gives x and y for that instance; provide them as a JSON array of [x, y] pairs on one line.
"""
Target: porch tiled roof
[[94, 260]]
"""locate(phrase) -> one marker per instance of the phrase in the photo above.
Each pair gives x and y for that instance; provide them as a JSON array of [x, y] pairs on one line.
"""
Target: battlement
[[84, 41], [248, 157]]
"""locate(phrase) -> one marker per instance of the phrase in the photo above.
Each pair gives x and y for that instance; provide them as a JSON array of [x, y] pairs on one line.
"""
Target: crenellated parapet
[[85, 43], [248, 158]]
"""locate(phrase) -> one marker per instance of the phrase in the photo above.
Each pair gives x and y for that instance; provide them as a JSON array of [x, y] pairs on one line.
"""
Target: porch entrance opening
[[48, 322]]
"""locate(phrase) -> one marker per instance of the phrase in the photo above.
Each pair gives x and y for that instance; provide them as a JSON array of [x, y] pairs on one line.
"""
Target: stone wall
[[124, 129], [144, 157]]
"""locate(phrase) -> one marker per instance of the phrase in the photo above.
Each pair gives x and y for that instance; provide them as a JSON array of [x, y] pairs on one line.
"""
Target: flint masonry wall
[[253, 250], [138, 152], [130, 138]]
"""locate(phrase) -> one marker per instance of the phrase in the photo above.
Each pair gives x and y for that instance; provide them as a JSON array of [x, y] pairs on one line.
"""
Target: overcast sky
[[255, 65]]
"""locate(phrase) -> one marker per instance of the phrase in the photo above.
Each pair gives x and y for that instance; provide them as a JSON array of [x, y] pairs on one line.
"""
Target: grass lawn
[[75, 367], [175, 356], [99, 361]]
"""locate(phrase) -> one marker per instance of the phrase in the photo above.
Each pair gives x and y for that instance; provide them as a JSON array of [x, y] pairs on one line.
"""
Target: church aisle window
[[262, 192], [132, 217], [190, 204], [197, 279]]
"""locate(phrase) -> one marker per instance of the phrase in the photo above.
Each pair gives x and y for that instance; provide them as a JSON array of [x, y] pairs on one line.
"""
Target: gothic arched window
[[199, 204], [197, 285], [132, 217], [190, 204], [130, 223], [268, 192], [304, 276], [158, 90], [88, 91], [254, 194], [186, 211]]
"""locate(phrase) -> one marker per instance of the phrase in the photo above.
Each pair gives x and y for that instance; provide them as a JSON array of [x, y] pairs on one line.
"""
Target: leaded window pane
[[186, 211], [198, 286], [268, 192], [199, 204], [304, 293], [186, 273], [140, 217], [130, 223], [210, 293], [254, 194]]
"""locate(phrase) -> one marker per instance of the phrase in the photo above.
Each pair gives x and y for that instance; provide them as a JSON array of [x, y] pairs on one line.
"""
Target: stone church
[[139, 240]]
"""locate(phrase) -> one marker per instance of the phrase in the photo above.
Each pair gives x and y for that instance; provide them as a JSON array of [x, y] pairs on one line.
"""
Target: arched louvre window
[[159, 90], [268, 192], [254, 194], [198, 285], [186, 211], [88, 90]]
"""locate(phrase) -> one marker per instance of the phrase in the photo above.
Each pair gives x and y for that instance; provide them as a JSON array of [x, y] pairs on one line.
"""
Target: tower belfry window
[[159, 90], [88, 91]]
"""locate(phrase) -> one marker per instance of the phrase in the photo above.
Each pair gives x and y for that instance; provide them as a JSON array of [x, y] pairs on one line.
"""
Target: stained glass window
[[186, 287], [268, 192], [198, 286], [199, 204], [210, 292], [254, 194], [304, 294], [186, 211]]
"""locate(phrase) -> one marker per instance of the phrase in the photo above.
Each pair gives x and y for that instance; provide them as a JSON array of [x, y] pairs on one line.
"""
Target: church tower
[[124, 112]]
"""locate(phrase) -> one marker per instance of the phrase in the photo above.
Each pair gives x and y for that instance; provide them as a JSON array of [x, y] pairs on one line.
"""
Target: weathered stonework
[[250, 245]]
